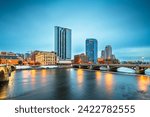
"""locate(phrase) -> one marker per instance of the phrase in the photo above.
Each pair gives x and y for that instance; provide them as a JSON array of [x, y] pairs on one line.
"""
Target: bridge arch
[[126, 69]]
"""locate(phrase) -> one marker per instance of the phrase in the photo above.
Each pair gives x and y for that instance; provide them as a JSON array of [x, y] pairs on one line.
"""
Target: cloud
[[134, 53]]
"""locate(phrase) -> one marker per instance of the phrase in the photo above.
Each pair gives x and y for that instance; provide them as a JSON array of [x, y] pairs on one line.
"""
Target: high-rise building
[[113, 57], [103, 55], [108, 52], [63, 43], [91, 50]]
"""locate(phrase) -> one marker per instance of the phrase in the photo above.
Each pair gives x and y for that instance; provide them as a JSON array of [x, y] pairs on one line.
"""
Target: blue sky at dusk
[[27, 25]]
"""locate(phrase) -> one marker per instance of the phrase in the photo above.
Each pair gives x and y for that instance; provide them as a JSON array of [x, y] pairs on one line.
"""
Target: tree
[[20, 62]]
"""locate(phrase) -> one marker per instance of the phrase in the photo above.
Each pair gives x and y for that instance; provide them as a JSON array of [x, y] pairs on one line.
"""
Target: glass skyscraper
[[63, 43], [103, 55], [108, 51], [91, 50]]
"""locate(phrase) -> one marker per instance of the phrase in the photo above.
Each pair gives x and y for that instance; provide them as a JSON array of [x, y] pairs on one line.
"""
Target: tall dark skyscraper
[[63, 43], [91, 50]]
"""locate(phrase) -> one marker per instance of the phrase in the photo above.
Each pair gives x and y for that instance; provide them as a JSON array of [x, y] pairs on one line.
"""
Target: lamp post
[[142, 59]]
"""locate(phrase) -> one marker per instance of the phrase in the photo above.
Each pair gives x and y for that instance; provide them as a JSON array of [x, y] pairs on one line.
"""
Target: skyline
[[29, 25]]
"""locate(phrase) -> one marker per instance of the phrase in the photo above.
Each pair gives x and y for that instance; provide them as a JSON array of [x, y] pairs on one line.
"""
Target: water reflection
[[25, 74], [80, 77], [74, 84], [143, 83], [98, 77], [33, 73], [33, 77], [109, 82], [43, 75]]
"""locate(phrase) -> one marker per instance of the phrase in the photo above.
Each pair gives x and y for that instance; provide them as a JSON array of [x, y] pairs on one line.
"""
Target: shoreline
[[122, 73], [70, 67]]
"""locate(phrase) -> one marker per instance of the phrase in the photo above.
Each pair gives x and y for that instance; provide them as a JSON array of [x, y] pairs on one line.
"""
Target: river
[[75, 84]]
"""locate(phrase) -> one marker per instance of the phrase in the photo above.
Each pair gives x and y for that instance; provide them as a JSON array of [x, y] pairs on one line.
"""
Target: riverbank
[[119, 72], [125, 71], [41, 67]]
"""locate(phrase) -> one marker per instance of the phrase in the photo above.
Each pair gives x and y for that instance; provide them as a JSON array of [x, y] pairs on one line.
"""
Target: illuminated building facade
[[81, 58], [46, 58], [8, 58]]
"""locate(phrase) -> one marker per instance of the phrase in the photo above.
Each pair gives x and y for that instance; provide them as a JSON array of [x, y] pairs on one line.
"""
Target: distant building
[[107, 56], [101, 60], [81, 58], [113, 57], [26, 55], [103, 55], [8, 58], [8, 53], [46, 58], [108, 52], [21, 56], [91, 50], [63, 43], [33, 55]]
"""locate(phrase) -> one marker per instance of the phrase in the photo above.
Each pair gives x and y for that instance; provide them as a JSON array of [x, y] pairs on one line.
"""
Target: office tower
[[113, 57], [91, 50], [108, 52], [63, 43], [103, 55]]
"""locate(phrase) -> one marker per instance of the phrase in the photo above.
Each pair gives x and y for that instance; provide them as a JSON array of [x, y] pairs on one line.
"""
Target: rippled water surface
[[75, 84]]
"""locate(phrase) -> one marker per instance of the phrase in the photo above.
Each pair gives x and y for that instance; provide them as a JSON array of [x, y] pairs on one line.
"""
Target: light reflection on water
[[143, 83], [80, 77], [98, 77], [43, 76], [109, 82], [74, 84]]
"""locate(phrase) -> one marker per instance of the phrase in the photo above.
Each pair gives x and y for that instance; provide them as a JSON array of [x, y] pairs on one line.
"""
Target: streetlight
[[142, 58]]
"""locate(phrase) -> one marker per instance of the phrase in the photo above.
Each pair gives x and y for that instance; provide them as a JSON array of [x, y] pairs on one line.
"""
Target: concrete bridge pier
[[139, 70], [90, 67], [108, 68], [4, 73], [113, 69]]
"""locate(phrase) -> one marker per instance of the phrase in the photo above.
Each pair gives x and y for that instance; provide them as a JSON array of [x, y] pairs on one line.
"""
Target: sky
[[27, 25]]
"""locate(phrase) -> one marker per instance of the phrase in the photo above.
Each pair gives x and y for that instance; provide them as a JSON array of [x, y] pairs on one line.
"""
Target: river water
[[71, 84]]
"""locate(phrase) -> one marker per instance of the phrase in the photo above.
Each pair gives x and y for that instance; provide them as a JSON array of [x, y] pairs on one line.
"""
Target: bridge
[[5, 72], [139, 68]]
